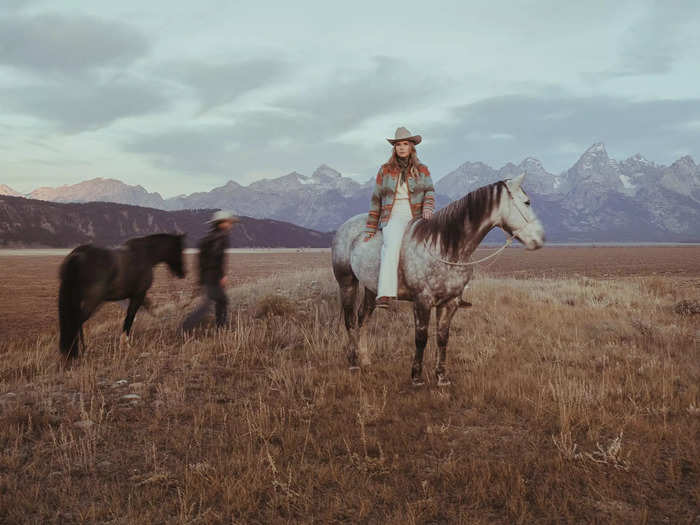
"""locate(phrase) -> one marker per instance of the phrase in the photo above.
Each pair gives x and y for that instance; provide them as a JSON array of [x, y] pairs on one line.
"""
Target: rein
[[508, 242]]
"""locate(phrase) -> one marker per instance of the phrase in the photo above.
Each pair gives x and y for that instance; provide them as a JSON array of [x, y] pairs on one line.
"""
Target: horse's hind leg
[[367, 307], [91, 301], [421, 315], [444, 314], [348, 297]]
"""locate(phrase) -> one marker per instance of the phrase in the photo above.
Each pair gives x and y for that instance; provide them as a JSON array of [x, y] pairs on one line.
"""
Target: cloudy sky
[[182, 99]]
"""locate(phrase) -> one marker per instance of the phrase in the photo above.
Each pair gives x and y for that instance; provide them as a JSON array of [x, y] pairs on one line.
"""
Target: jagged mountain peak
[[595, 157], [638, 165], [467, 177], [291, 176], [528, 162], [685, 162], [596, 148], [326, 170], [6, 190], [538, 179], [683, 176], [534, 166], [231, 185], [595, 171], [638, 158], [292, 179]]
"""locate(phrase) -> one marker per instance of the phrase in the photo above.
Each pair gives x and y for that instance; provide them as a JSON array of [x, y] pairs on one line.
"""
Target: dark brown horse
[[91, 275]]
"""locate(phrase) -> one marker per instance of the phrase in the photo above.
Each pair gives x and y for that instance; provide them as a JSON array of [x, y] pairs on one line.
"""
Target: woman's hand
[[427, 213]]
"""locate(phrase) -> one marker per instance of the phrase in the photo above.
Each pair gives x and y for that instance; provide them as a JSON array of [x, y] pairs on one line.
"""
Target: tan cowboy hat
[[223, 215], [403, 134]]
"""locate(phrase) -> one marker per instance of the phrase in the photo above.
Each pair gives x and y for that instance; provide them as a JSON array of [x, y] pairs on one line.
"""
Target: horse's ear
[[516, 182]]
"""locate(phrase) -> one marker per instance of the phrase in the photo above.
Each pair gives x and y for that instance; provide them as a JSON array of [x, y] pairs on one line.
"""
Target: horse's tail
[[69, 311]]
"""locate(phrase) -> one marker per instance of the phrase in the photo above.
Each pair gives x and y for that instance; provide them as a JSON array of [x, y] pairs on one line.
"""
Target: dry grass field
[[575, 397]]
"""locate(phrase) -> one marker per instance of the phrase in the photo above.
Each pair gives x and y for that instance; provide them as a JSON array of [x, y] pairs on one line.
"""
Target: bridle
[[515, 233], [509, 240]]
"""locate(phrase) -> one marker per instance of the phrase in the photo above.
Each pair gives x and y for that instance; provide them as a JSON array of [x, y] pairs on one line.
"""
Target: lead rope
[[508, 242]]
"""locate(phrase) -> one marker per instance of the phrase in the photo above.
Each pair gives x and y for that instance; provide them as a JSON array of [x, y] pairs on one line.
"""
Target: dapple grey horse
[[434, 263]]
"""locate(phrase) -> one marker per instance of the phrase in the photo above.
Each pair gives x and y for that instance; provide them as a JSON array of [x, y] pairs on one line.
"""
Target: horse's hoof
[[442, 381], [354, 368], [417, 381]]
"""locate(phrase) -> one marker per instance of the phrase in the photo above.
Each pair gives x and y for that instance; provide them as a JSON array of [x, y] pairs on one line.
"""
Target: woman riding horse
[[403, 190], [434, 261]]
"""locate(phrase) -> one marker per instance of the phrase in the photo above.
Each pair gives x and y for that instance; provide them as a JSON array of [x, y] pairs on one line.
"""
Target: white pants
[[392, 234]]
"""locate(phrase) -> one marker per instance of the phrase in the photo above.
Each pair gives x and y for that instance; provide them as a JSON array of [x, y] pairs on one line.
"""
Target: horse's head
[[516, 216], [174, 258]]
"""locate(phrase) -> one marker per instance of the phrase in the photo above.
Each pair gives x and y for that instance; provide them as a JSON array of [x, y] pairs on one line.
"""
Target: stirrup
[[382, 302]]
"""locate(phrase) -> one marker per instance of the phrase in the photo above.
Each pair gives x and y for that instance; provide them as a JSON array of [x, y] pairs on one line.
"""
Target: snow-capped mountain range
[[597, 199], [601, 199]]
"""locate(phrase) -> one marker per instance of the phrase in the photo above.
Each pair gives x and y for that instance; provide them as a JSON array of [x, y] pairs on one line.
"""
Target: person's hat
[[403, 134], [223, 215]]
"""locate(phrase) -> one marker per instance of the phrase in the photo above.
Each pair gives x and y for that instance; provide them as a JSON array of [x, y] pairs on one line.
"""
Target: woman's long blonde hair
[[413, 161]]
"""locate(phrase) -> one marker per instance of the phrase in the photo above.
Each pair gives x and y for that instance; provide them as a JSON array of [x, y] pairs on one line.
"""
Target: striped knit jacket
[[420, 190]]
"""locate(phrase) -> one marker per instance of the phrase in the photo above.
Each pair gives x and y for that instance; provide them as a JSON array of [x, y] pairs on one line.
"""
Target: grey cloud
[[558, 129], [253, 144], [350, 97], [219, 84], [67, 44], [81, 105], [654, 41], [299, 129], [216, 148], [190, 149], [13, 5]]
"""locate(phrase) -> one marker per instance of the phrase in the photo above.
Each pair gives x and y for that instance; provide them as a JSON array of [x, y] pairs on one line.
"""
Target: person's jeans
[[213, 293]]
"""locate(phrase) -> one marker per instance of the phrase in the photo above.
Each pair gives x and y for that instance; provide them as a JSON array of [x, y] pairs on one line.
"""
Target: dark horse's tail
[[69, 312]]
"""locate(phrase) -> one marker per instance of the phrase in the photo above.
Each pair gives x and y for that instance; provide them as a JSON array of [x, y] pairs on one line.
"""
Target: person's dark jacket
[[212, 250]]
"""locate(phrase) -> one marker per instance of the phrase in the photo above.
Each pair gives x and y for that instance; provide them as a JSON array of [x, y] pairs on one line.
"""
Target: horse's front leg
[[444, 314], [134, 304], [421, 315]]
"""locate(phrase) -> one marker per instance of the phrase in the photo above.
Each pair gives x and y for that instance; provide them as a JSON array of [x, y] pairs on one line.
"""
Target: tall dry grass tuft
[[572, 400]]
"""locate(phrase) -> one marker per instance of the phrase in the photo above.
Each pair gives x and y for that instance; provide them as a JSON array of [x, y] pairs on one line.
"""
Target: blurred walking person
[[212, 273]]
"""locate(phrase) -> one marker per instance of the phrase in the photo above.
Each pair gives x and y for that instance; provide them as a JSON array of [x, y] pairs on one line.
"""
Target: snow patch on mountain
[[627, 182]]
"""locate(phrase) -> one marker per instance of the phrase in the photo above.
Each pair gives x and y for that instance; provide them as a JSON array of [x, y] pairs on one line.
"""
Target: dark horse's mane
[[148, 239], [459, 218]]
